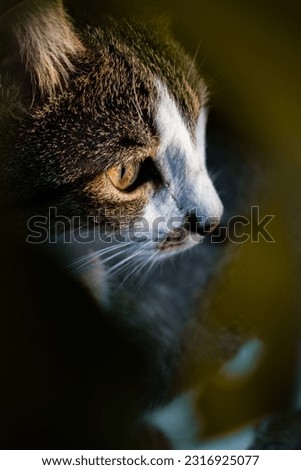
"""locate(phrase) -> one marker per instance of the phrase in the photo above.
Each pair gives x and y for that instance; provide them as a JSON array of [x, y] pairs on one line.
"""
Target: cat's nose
[[197, 224]]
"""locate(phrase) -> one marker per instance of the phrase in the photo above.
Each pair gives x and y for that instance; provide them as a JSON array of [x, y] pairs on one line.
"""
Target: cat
[[103, 140], [151, 166]]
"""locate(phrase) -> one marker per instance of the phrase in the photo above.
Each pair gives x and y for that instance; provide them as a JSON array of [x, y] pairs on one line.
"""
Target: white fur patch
[[173, 131], [182, 164]]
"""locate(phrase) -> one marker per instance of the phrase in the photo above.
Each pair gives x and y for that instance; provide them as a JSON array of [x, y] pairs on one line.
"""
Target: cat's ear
[[38, 45]]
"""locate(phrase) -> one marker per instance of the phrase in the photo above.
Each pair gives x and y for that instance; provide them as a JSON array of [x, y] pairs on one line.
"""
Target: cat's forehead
[[120, 94], [129, 64]]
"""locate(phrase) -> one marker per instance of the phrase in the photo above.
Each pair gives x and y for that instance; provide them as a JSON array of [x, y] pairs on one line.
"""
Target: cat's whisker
[[122, 249], [153, 260], [139, 265], [83, 261], [143, 277], [122, 262], [75, 229], [144, 260], [89, 256], [215, 174], [136, 101], [201, 64], [119, 264], [194, 58], [135, 265]]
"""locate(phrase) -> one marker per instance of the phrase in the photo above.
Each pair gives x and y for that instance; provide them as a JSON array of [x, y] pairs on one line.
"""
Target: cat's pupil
[[124, 176], [122, 172]]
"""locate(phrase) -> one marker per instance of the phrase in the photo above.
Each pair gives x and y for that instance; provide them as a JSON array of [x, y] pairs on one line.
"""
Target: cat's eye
[[124, 176]]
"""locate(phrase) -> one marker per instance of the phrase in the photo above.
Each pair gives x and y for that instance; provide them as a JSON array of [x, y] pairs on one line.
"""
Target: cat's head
[[107, 126]]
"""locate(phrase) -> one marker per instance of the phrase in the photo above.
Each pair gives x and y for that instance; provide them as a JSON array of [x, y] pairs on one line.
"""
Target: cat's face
[[117, 144]]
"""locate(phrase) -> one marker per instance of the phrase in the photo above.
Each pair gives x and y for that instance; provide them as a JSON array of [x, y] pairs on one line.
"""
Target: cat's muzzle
[[174, 239], [193, 230]]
